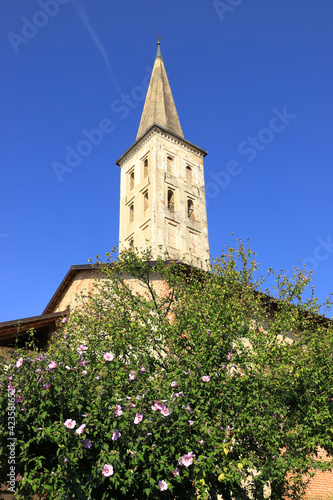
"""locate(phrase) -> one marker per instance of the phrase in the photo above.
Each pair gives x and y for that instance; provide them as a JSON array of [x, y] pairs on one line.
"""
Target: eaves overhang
[[17, 329]]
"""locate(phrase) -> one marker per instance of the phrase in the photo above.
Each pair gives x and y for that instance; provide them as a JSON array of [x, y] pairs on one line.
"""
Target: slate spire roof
[[159, 105]]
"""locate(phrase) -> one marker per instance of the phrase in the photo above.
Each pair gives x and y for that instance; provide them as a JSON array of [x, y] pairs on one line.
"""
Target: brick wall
[[321, 485]]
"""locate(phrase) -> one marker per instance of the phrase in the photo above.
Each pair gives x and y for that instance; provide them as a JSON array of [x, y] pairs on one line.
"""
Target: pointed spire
[[159, 105], [158, 53]]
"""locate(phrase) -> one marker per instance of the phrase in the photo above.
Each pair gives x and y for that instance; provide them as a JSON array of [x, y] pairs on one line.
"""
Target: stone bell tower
[[162, 192]]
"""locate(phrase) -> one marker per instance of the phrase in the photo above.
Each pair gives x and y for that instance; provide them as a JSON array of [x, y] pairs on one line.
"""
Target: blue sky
[[252, 82]]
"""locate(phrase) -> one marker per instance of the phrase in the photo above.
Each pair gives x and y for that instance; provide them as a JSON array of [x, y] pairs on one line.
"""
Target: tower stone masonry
[[162, 187]]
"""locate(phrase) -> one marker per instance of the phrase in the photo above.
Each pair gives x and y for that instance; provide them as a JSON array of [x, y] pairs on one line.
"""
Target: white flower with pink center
[[174, 384], [187, 459], [163, 485], [70, 424], [81, 348], [19, 362], [132, 375], [108, 356], [156, 406], [138, 418], [80, 429], [107, 470], [205, 378], [165, 411], [118, 411]]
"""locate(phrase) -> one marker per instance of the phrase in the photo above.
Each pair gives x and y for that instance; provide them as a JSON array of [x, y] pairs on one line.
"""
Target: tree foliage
[[190, 390]]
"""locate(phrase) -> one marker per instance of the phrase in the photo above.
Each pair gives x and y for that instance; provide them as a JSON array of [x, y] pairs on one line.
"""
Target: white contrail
[[87, 24]]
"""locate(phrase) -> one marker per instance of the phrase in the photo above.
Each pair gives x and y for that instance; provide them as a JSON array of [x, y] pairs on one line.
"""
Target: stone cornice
[[157, 129]]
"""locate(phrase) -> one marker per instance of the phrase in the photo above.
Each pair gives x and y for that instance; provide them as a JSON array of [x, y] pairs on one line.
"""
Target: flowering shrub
[[182, 395]]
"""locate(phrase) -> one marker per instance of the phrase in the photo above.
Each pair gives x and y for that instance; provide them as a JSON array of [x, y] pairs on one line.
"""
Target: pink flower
[[174, 384], [205, 378], [19, 363], [175, 472], [11, 388], [132, 375], [163, 485], [116, 435], [70, 424], [52, 365], [107, 470], [118, 411], [47, 384], [108, 356], [143, 369], [19, 398], [80, 429], [201, 441], [63, 320], [138, 418], [156, 406], [81, 348], [164, 410], [187, 459], [84, 372], [191, 422]]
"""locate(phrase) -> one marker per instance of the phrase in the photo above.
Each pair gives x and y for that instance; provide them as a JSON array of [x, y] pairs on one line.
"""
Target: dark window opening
[[132, 180], [171, 200], [145, 168], [145, 201], [131, 212], [190, 209]]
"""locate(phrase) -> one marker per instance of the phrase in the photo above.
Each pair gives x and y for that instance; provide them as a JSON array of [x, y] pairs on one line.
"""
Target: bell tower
[[162, 191]]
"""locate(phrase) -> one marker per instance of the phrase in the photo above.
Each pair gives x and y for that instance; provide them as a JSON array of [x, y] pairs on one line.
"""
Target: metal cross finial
[[158, 40]]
